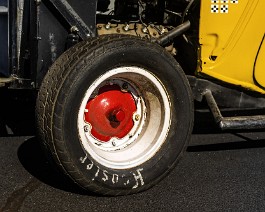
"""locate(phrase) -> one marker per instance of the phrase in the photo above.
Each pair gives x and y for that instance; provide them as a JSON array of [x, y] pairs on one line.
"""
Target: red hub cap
[[110, 113]]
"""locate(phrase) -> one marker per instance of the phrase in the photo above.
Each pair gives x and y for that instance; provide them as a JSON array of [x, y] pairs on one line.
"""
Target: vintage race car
[[117, 80]]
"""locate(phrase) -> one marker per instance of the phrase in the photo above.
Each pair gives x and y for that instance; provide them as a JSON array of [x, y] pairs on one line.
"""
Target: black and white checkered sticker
[[221, 6], [224, 8], [214, 8]]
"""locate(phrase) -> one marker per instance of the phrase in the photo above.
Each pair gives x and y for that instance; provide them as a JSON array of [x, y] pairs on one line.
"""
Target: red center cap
[[110, 113], [119, 115]]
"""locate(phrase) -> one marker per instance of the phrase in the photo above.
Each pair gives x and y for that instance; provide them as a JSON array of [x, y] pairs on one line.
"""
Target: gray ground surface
[[219, 172], [212, 176]]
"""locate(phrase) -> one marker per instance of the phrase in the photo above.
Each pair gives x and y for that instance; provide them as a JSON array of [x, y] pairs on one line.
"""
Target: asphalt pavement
[[219, 172]]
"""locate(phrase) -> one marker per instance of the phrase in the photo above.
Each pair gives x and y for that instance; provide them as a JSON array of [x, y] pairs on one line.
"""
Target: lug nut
[[86, 128], [137, 117], [125, 86]]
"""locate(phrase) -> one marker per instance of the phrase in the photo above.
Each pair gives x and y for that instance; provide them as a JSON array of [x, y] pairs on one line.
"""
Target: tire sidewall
[[122, 53]]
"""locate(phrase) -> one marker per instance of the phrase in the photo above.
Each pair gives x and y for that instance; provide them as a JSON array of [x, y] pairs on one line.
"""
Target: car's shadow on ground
[[17, 112], [17, 119], [204, 123], [235, 145], [31, 156]]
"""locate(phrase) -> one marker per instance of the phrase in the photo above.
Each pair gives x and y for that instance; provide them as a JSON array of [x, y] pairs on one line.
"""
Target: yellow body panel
[[259, 68], [231, 36]]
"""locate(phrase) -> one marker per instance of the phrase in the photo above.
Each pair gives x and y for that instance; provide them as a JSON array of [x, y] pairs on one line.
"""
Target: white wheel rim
[[148, 133]]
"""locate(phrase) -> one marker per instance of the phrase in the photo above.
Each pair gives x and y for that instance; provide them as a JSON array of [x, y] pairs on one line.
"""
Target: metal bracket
[[169, 36], [72, 18], [233, 123]]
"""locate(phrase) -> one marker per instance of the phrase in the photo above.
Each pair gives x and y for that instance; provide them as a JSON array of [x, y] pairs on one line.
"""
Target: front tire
[[116, 115]]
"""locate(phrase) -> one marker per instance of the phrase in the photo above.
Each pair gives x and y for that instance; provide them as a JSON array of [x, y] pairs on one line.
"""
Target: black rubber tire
[[61, 94]]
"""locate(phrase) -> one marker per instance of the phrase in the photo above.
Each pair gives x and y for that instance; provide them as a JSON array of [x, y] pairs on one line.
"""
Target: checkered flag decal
[[224, 8], [214, 8]]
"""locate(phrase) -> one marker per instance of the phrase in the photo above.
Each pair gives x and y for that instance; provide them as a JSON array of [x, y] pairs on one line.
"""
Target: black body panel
[[45, 28]]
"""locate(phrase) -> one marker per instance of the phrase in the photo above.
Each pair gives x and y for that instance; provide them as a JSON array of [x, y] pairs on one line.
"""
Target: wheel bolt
[[125, 86], [137, 117], [86, 128]]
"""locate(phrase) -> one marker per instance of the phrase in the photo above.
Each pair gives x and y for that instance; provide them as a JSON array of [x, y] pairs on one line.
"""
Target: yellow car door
[[259, 67], [231, 42]]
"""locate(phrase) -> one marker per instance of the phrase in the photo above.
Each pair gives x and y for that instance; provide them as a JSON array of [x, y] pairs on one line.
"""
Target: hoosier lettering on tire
[[115, 113]]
